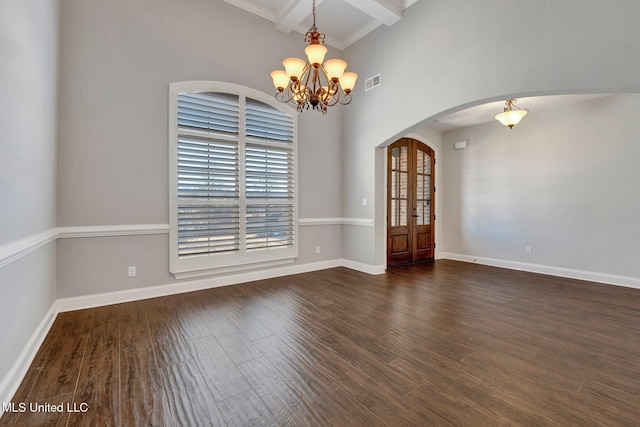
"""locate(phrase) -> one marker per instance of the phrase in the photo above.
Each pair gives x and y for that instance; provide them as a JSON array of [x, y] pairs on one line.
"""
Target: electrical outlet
[[317, 249], [364, 202], [527, 250], [131, 271]]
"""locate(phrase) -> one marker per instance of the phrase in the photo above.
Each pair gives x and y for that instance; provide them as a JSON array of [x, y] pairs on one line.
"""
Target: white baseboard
[[365, 268], [14, 377], [97, 300], [591, 276]]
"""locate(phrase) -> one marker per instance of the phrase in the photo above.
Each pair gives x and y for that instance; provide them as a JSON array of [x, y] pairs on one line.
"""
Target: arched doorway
[[410, 202]]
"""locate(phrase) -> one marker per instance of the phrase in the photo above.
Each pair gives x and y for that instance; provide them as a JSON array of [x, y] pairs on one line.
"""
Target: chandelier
[[511, 115], [312, 83]]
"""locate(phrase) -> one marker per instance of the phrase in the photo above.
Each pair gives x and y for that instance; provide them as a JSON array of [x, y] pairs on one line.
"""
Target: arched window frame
[[248, 255]]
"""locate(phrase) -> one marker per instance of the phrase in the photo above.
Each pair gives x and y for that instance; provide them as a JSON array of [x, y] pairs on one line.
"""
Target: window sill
[[216, 271]]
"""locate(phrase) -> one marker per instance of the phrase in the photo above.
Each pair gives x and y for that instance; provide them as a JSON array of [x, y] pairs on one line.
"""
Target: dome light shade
[[335, 68], [280, 79], [348, 81], [294, 67], [315, 53], [511, 115]]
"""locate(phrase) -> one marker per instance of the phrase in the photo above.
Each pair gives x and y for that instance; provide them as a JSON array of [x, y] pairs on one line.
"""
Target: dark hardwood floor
[[434, 344]]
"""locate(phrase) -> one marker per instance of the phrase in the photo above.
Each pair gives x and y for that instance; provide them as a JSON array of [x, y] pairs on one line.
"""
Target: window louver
[[204, 229], [207, 169], [208, 112], [269, 172], [266, 122], [269, 226]]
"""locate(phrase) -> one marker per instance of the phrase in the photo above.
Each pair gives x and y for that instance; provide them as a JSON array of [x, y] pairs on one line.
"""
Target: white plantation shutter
[[208, 177], [208, 112], [269, 226], [207, 169], [269, 173], [269, 190], [206, 229], [266, 122], [233, 183], [269, 183]]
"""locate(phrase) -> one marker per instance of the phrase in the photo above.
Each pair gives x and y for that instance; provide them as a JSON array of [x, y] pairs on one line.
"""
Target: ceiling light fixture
[[312, 83], [512, 114]]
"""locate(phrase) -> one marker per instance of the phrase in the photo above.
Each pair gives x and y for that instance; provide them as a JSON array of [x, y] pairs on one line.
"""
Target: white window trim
[[224, 263]]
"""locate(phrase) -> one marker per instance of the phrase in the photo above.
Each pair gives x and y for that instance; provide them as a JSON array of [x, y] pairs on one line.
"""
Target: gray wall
[[563, 182], [117, 60], [448, 54], [28, 114]]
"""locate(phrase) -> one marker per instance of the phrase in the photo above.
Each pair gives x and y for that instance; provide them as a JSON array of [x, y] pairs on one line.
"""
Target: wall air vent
[[372, 82]]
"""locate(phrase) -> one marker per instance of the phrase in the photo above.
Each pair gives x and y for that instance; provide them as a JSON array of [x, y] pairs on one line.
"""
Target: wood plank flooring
[[440, 344]]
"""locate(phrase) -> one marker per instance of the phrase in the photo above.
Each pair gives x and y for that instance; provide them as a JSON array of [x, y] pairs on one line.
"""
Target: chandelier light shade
[[294, 68], [511, 115], [314, 82]]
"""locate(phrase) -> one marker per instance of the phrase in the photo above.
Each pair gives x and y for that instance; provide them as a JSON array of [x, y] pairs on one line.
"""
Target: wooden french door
[[410, 202]]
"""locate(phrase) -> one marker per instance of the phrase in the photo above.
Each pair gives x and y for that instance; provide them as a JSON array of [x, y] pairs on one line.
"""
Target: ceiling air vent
[[372, 82]]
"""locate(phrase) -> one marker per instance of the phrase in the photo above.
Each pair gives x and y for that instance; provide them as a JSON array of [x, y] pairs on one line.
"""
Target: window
[[232, 179]]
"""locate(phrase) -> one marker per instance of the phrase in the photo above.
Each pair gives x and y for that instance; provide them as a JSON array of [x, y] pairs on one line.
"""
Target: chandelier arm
[[335, 97], [285, 96], [288, 95], [342, 100], [306, 74], [334, 100], [346, 100], [316, 90], [326, 97]]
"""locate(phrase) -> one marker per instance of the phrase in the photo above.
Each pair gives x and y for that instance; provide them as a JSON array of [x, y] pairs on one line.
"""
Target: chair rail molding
[[365, 222], [13, 251]]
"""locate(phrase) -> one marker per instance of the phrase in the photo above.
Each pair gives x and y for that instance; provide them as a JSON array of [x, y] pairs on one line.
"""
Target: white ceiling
[[485, 113], [342, 21]]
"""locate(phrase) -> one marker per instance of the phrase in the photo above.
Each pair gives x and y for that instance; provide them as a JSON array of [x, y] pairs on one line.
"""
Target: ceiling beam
[[250, 6], [292, 14], [386, 11]]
